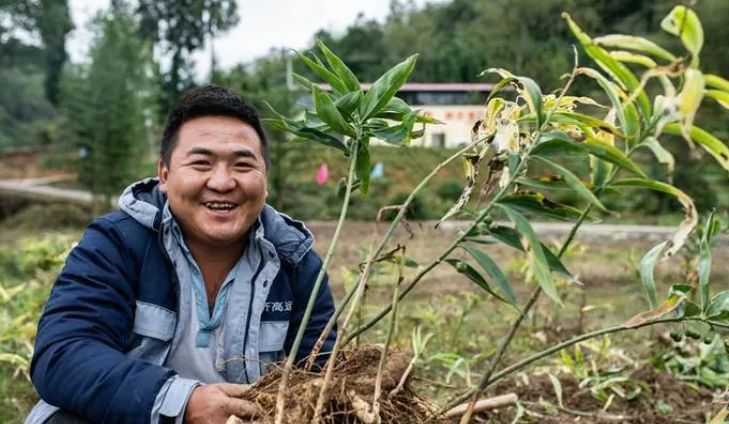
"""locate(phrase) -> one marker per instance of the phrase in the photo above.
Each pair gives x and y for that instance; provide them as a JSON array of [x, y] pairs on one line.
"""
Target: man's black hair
[[209, 100]]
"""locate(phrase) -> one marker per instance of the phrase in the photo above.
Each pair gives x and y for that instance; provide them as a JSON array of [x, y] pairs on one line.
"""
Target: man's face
[[216, 179]]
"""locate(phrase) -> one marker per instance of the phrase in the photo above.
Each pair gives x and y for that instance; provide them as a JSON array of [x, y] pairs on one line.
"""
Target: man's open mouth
[[220, 206]]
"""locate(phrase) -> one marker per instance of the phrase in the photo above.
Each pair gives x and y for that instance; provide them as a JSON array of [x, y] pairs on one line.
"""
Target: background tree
[[180, 28], [54, 23], [106, 111]]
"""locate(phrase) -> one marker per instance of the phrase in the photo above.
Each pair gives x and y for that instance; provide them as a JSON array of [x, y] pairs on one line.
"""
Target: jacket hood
[[144, 202]]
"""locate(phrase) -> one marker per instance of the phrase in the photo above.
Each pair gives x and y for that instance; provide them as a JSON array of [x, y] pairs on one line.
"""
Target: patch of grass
[[28, 267]]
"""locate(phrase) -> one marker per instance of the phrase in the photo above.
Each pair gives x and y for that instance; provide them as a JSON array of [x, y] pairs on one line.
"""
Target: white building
[[457, 105]]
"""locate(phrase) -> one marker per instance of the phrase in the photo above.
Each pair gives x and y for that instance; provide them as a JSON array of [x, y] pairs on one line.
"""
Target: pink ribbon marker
[[322, 175]]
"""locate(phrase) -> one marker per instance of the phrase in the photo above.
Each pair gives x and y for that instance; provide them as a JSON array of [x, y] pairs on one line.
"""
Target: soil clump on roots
[[351, 392]]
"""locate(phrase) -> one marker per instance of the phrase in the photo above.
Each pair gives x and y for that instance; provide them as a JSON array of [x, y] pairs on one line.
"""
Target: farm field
[[466, 325]]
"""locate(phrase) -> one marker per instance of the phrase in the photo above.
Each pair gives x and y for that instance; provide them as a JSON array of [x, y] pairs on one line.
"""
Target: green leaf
[[543, 183], [277, 124], [349, 102], [363, 166], [632, 42], [627, 114], [526, 87], [590, 121], [683, 22], [717, 82], [690, 310], [328, 112], [540, 205], [689, 222], [662, 155], [328, 76], [399, 133], [323, 138], [534, 98], [465, 269], [385, 88], [495, 272], [573, 181], [722, 97], [411, 263], [618, 71], [647, 265], [303, 81], [342, 71], [535, 254], [556, 142], [719, 307], [704, 270], [628, 57], [482, 240], [711, 144], [511, 238], [557, 385]]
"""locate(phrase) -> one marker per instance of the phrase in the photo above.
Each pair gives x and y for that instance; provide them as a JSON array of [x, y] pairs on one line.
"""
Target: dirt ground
[[669, 401]]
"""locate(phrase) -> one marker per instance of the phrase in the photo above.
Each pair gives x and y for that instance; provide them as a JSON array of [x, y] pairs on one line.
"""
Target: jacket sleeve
[[306, 273], [78, 362]]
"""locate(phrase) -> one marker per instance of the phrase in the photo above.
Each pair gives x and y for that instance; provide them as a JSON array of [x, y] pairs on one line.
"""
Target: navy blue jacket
[[111, 319]]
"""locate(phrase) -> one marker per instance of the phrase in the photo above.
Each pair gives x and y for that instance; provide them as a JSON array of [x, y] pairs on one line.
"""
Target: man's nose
[[221, 180]]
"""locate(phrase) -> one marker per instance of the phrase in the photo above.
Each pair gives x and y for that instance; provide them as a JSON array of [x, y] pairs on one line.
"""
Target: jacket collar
[[144, 201]]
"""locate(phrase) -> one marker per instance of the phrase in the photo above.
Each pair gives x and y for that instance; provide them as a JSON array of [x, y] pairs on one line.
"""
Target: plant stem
[[390, 335], [486, 380], [447, 251], [280, 399], [532, 301], [386, 238], [365, 277], [332, 321]]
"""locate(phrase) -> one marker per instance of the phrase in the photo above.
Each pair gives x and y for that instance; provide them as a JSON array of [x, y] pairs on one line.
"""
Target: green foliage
[[110, 132], [696, 362], [26, 116], [449, 190], [27, 270], [181, 29]]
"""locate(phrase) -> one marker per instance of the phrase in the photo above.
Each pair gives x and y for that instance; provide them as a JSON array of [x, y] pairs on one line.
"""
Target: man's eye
[[200, 163], [243, 165]]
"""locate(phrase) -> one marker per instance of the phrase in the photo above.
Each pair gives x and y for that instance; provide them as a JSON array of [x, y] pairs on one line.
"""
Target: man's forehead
[[218, 135]]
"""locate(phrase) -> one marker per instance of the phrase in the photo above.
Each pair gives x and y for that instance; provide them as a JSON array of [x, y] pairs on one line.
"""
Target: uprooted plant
[[520, 145]]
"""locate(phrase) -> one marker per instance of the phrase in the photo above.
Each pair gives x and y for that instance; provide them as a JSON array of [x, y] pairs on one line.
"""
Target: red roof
[[416, 86]]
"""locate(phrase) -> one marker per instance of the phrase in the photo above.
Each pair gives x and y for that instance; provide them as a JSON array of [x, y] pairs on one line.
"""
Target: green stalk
[[280, 403], [517, 324], [388, 341], [363, 283], [532, 301], [386, 238], [454, 244], [496, 198], [577, 339]]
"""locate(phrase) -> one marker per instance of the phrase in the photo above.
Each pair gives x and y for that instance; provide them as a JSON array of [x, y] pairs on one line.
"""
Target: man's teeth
[[220, 206]]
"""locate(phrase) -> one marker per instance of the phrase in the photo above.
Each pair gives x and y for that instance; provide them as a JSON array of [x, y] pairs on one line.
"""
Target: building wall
[[456, 129]]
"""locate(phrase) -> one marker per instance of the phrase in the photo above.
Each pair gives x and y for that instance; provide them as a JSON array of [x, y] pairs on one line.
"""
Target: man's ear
[[163, 173]]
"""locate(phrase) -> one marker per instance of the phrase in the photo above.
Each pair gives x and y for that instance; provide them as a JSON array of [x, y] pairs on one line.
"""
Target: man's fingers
[[243, 408], [234, 390]]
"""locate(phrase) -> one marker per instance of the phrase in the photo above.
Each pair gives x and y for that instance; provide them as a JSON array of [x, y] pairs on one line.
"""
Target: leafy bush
[[449, 190]]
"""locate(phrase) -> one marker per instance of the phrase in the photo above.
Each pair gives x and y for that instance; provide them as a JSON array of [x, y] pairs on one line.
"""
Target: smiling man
[[194, 284]]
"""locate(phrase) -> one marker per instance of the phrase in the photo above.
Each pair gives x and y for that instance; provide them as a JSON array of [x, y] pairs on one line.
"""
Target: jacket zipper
[[176, 287], [250, 314]]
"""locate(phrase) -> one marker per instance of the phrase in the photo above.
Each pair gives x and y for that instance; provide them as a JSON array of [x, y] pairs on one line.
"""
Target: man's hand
[[214, 403]]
